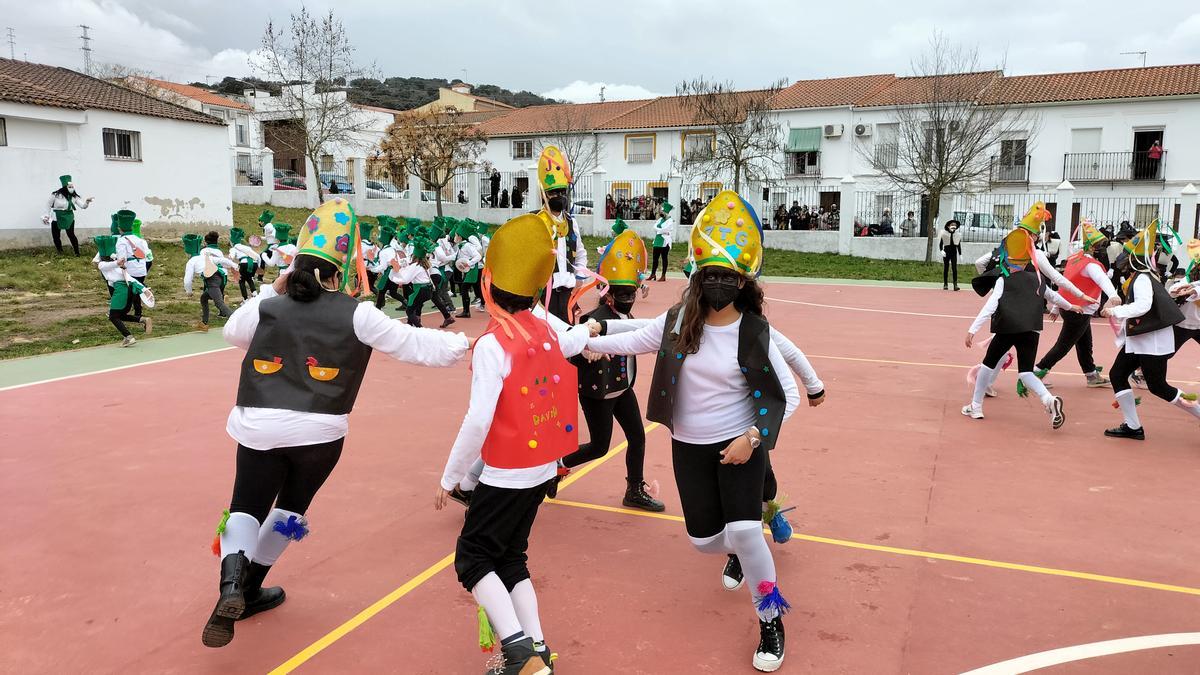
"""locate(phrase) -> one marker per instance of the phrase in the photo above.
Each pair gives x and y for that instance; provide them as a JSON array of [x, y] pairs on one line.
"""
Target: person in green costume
[[664, 230], [60, 215], [123, 289], [247, 260], [468, 265]]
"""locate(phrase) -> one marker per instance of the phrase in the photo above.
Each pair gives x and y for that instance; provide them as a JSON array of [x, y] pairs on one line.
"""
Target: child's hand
[[593, 328], [280, 284], [440, 497], [814, 402], [970, 339]]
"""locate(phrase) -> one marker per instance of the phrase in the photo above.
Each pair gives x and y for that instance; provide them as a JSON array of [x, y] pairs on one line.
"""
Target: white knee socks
[[1127, 401], [747, 541], [493, 597], [241, 534], [983, 380], [1034, 384], [271, 541], [525, 603]]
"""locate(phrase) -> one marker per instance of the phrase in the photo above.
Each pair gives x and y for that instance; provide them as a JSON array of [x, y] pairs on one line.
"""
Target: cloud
[[589, 92]]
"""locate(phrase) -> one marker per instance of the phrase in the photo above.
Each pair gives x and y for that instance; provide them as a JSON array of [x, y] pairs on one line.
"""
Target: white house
[[168, 163]]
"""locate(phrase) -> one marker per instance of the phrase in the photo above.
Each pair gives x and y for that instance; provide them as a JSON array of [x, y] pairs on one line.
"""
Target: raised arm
[[1044, 266], [421, 346], [641, 341]]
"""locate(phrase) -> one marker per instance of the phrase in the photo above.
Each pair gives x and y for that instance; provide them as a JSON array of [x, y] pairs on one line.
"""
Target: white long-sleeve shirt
[[127, 245], [195, 266], [112, 271], [412, 273], [713, 401], [57, 202], [470, 252], [666, 229], [490, 364], [1096, 273], [269, 234], [266, 428], [1043, 265], [564, 277], [1190, 306], [239, 251], [993, 302], [1155, 343]]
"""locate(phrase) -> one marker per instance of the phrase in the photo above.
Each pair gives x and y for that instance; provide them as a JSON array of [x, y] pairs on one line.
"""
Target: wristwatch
[[754, 437]]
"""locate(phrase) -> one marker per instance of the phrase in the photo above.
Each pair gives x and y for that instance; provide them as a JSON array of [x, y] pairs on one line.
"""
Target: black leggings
[[599, 413], [413, 310], [214, 290], [1182, 335], [286, 478], [660, 252], [1026, 344], [1154, 369], [245, 280], [950, 264], [118, 319], [712, 494], [1076, 332], [54, 234], [441, 297], [390, 288]]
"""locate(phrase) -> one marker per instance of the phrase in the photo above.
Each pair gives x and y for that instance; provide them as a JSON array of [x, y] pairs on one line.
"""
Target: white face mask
[[71, 187]]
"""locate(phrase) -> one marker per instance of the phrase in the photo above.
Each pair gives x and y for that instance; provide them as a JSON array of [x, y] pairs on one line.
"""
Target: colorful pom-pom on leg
[[487, 636], [771, 599], [295, 528], [216, 544]]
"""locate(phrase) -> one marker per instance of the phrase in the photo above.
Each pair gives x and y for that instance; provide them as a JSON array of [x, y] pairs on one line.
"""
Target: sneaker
[[1124, 431], [129, 341], [202, 327], [769, 655], [465, 314], [518, 658], [991, 392], [636, 497], [732, 577], [781, 529], [1138, 380], [1057, 417], [448, 320], [148, 324], [1096, 380], [548, 656], [973, 411], [461, 496]]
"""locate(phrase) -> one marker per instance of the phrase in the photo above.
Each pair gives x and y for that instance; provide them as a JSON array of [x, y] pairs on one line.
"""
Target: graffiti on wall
[[174, 208]]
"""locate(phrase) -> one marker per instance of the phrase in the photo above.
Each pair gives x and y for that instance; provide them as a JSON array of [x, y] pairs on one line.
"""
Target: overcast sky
[[634, 48]]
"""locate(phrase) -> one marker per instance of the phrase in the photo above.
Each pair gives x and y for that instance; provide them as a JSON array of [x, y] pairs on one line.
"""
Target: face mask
[[623, 306], [716, 294], [557, 204]]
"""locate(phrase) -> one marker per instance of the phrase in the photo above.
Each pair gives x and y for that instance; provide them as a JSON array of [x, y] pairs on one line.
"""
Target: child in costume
[[521, 419], [246, 259], [1091, 276], [264, 219], [60, 213], [1149, 316], [307, 351], [1186, 292], [440, 260], [388, 266], [1014, 306], [950, 245], [1033, 223], [723, 389], [124, 289], [210, 265], [414, 277], [135, 251], [467, 264], [554, 179]]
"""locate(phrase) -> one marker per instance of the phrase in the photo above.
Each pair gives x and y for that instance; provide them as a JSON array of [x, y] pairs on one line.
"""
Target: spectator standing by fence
[[794, 215], [908, 227], [781, 217], [504, 199], [951, 245], [885, 224], [517, 198], [495, 188]]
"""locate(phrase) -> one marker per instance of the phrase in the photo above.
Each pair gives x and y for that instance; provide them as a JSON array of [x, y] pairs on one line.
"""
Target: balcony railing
[[804, 164], [1111, 167], [1009, 169], [640, 158]]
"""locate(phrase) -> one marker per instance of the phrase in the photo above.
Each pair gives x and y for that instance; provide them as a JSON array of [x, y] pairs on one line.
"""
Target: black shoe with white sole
[[769, 655], [732, 577], [1125, 431]]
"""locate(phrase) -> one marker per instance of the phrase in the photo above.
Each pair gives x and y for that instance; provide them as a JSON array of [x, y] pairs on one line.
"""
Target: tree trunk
[[439, 202], [316, 171], [737, 179], [935, 201]]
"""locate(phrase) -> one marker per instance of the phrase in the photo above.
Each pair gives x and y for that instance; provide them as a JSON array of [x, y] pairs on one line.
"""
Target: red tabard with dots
[[536, 420]]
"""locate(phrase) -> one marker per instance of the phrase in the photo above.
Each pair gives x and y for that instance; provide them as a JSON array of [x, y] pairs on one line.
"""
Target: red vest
[[1074, 273], [536, 419]]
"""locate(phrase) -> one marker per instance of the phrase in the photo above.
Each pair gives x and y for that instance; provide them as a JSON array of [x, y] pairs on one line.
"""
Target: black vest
[[754, 342], [1021, 306], [1163, 310], [304, 356], [606, 376]]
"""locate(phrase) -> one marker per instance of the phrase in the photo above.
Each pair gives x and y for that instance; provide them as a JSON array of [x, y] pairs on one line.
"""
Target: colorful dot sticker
[[531, 352], [532, 444], [757, 394], [555, 379], [570, 428], [766, 432], [762, 411], [546, 346], [524, 391]]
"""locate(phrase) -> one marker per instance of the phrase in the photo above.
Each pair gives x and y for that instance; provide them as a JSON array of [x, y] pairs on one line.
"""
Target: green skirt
[[658, 242], [64, 220], [416, 290], [121, 296], [471, 275], [382, 281]]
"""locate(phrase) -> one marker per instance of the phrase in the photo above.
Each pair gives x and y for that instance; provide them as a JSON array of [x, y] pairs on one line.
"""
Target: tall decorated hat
[[1090, 235], [236, 235], [1034, 218], [619, 226], [137, 227], [365, 228], [266, 217], [1142, 244], [728, 234], [106, 246], [554, 172], [125, 219], [463, 229], [667, 208], [623, 261], [331, 233], [112, 228], [64, 180], [520, 258], [192, 243], [413, 225], [283, 232], [386, 234], [422, 247]]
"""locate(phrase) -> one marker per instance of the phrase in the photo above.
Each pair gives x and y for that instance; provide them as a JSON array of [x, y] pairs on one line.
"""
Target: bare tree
[[950, 119], [572, 132], [316, 55], [748, 139], [433, 146]]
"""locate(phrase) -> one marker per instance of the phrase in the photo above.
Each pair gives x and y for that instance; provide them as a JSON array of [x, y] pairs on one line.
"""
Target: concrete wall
[[182, 182]]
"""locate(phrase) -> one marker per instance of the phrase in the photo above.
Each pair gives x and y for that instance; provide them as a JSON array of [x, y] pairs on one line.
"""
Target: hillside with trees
[[398, 93]]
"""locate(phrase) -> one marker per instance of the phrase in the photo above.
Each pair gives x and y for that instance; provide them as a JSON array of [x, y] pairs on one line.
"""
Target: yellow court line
[[383, 603], [1021, 567]]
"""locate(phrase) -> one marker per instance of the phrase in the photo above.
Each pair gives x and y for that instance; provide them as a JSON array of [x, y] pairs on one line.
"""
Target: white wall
[[182, 183]]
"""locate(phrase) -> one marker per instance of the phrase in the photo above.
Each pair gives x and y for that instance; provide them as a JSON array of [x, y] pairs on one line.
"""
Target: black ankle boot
[[259, 599], [218, 632], [519, 659], [636, 497]]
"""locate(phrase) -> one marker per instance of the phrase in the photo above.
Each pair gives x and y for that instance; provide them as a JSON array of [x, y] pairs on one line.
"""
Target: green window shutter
[[805, 140]]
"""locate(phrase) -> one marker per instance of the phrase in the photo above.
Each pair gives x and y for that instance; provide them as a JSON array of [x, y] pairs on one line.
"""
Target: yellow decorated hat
[[554, 172], [1017, 249], [1034, 217], [1142, 244], [623, 262], [331, 233], [1091, 236], [1193, 252], [728, 234], [520, 257]]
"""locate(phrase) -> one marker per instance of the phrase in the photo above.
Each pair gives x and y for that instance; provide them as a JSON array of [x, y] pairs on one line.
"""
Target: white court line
[[865, 309], [110, 370], [1056, 657]]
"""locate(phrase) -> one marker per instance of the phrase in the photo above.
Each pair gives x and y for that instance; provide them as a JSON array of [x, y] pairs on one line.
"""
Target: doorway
[[1147, 161]]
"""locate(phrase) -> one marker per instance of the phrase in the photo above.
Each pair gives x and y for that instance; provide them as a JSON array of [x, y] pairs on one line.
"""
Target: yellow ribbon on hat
[[728, 234]]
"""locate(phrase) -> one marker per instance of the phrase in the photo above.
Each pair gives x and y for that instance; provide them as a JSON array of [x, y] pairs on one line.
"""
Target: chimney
[[461, 87]]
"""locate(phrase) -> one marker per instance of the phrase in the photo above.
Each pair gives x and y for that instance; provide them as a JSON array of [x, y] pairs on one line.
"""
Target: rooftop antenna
[[464, 78], [86, 49], [12, 44], [1141, 54], [602, 88]]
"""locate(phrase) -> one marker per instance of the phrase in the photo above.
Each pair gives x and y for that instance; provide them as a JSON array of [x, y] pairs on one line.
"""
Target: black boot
[[259, 599], [465, 314], [1124, 431], [218, 632], [548, 657], [769, 655], [520, 659], [636, 497]]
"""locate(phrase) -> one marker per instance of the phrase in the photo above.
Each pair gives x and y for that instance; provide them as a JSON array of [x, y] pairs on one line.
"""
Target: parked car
[[382, 189], [581, 207], [286, 179], [254, 177], [426, 195], [981, 227], [343, 184]]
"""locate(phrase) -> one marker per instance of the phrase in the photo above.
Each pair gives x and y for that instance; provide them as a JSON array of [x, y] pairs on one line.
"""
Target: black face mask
[[557, 204], [716, 294], [624, 306]]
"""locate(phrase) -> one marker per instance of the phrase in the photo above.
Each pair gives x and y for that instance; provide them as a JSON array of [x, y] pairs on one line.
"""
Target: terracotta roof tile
[[917, 90], [540, 119], [74, 90], [198, 94], [835, 91], [663, 112], [1098, 84]]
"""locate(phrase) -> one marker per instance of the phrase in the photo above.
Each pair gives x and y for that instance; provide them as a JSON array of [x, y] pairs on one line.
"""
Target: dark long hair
[[695, 309], [302, 284]]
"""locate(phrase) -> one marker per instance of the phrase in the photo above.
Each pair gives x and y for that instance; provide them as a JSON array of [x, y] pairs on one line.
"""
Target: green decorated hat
[[106, 245], [266, 217], [413, 225], [422, 247], [619, 226], [137, 227], [283, 232], [192, 243], [386, 234], [236, 235], [365, 228], [463, 229], [125, 219], [112, 228], [64, 180], [667, 208]]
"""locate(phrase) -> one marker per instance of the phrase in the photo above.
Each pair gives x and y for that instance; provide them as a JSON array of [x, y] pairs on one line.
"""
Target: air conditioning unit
[[833, 130], [862, 130]]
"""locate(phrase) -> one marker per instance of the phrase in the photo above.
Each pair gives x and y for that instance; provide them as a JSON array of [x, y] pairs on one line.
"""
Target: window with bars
[[522, 149], [639, 149], [243, 130], [698, 145], [3, 133], [122, 144]]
